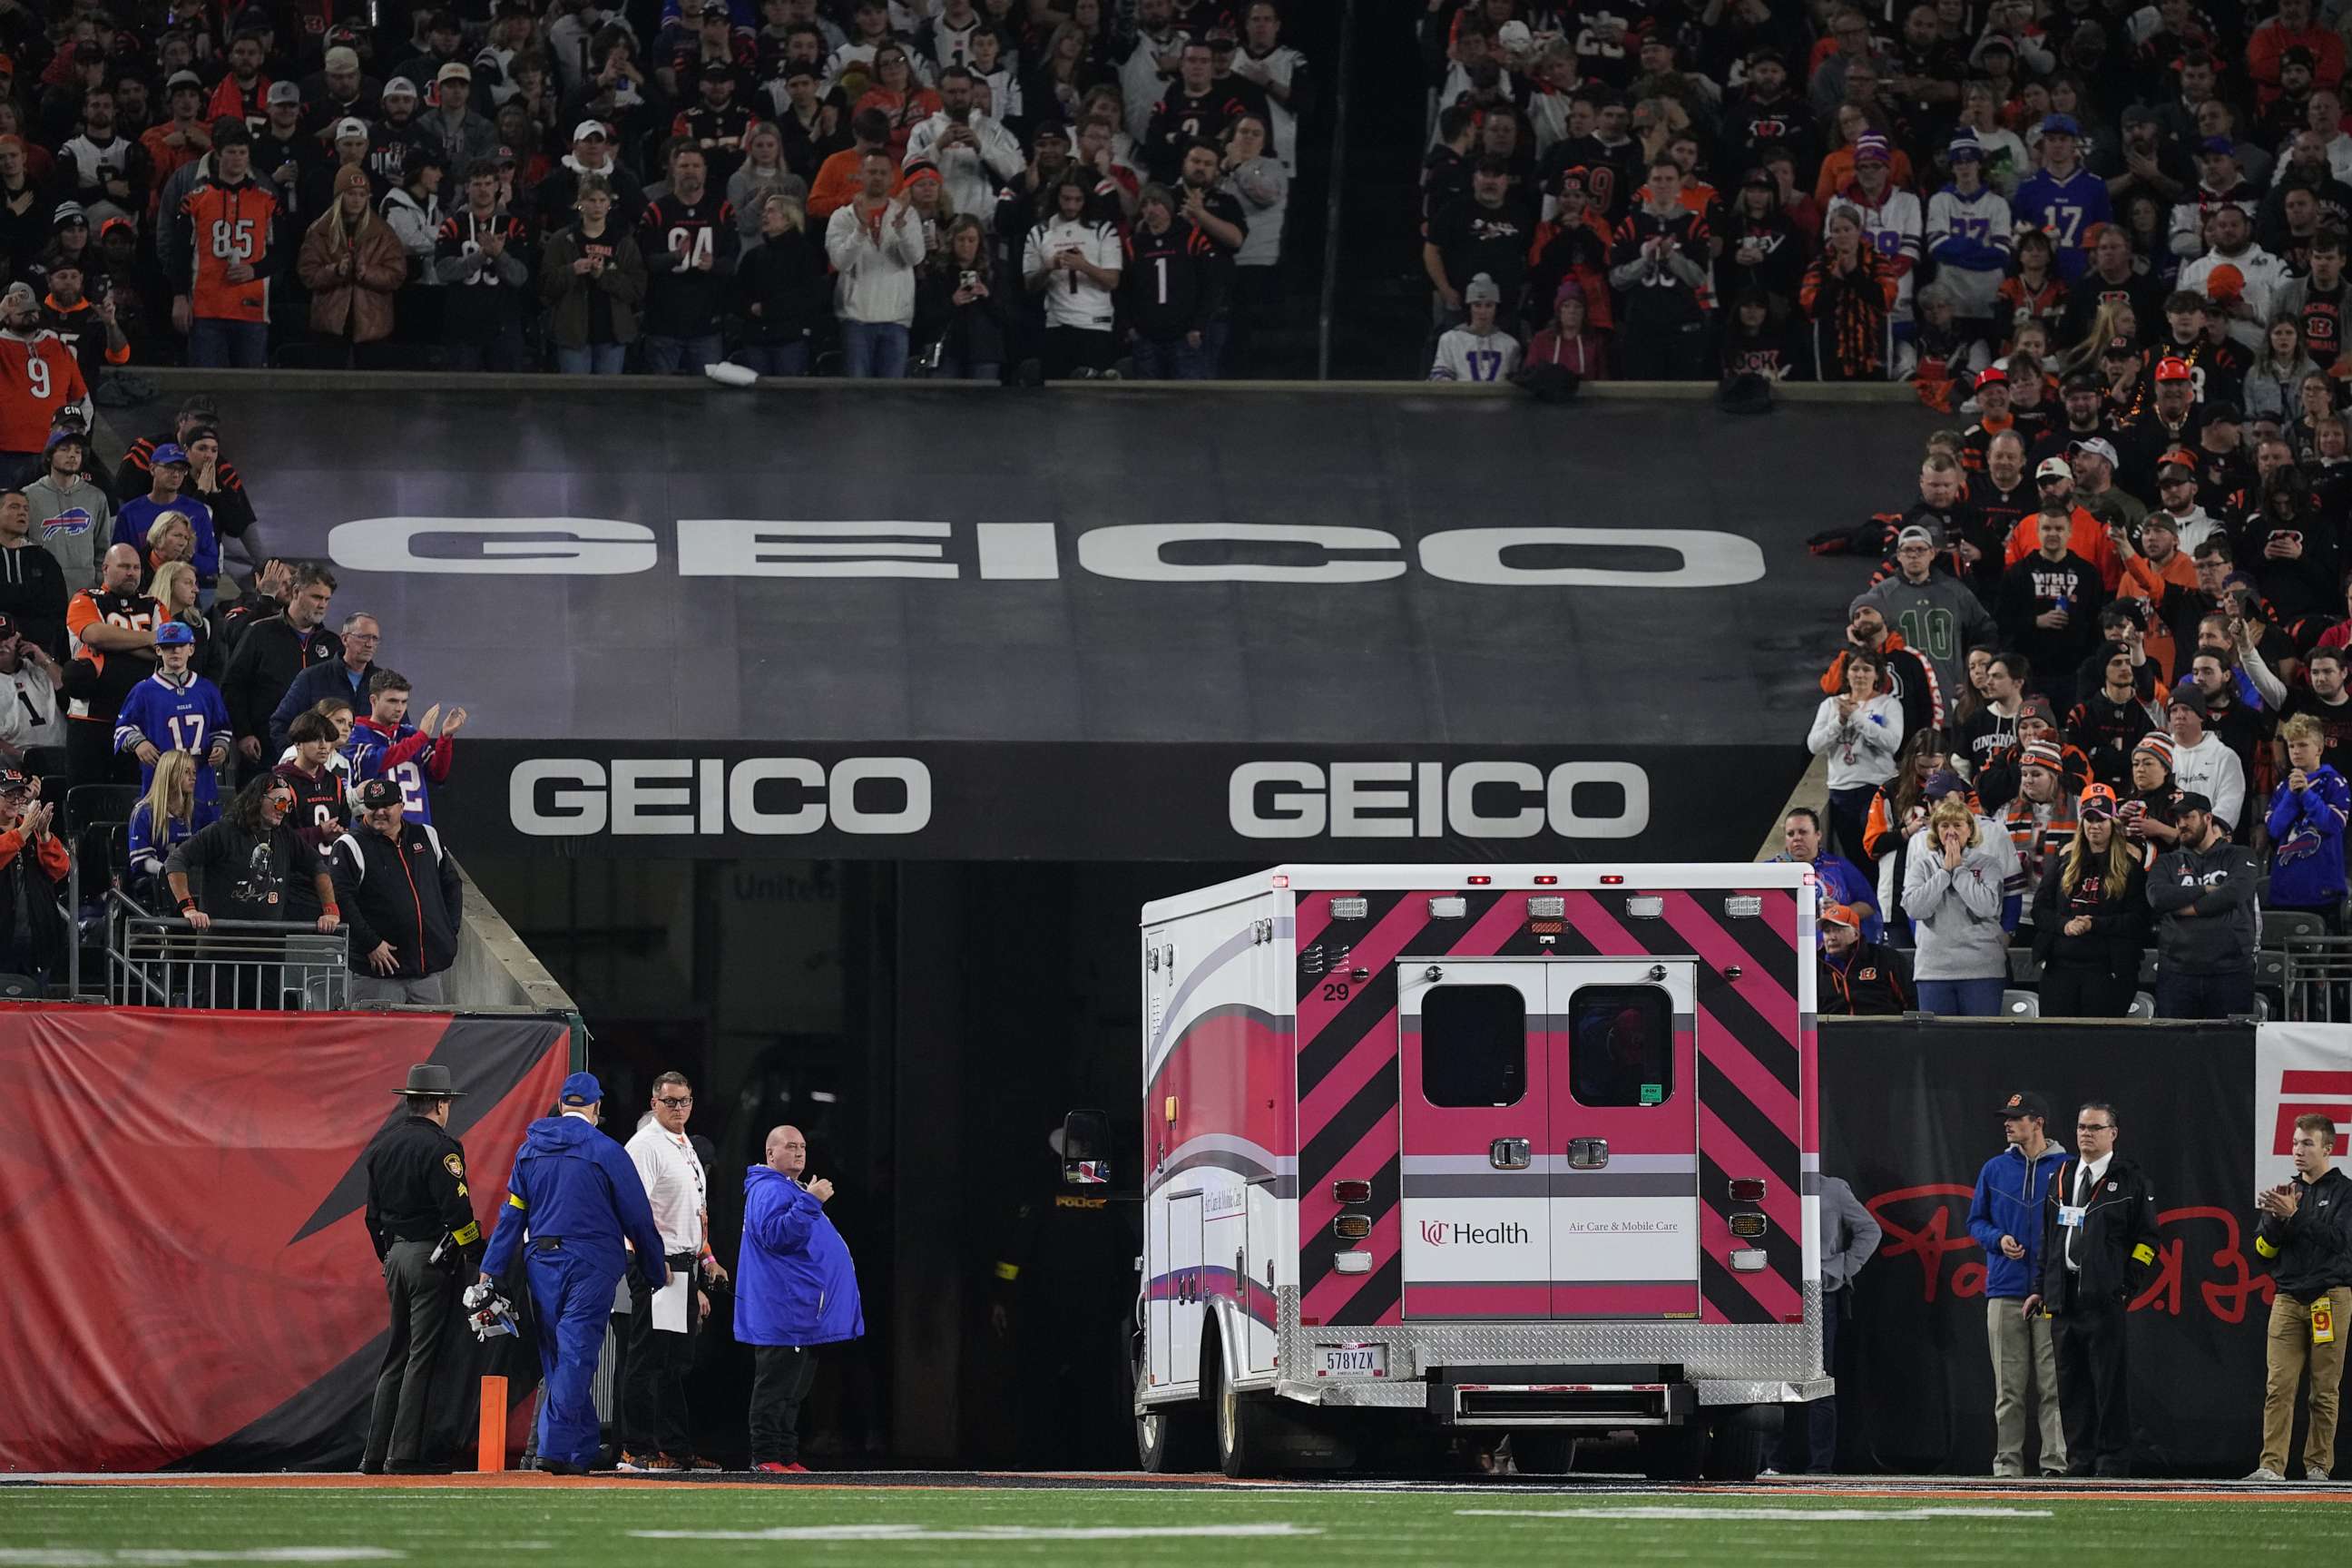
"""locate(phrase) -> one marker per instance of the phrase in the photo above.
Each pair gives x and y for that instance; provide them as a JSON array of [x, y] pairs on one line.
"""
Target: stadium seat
[[2143, 1007], [2024, 969], [2282, 926], [86, 803], [2019, 1004], [19, 987]]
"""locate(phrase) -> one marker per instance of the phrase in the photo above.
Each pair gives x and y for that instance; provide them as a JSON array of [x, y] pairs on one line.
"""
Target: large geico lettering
[[1529, 557], [1428, 800], [575, 796]]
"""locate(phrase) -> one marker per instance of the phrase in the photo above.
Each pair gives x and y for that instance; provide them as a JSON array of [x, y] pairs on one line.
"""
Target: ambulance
[[1435, 1156]]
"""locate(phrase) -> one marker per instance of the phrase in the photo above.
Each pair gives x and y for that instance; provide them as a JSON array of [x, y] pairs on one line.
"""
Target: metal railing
[[159, 960], [2316, 978]]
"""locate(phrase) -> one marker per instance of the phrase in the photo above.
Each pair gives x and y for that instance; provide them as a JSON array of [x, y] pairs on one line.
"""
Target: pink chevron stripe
[[1365, 1059], [1729, 1056], [1782, 1202], [1374, 951], [1317, 1209], [1366, 1160], [1711, 943]]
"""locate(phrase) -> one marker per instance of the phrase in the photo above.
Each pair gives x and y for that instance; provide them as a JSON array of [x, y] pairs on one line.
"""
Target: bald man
[[112, 632], [795, 1289]]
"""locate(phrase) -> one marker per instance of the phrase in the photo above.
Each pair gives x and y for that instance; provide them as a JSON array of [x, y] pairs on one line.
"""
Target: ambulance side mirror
[[1086, 1148]]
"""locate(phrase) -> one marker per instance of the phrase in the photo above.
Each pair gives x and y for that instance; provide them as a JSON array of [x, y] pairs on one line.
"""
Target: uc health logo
[[1445, 1233], [1433, 1231]]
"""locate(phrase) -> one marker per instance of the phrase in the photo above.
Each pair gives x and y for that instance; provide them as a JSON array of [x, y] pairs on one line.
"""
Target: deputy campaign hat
[[429, 1080], [2026, 1103], [582, 1089]]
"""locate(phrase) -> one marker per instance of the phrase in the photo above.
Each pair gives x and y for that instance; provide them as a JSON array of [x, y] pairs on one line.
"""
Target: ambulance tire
[[1543, 1453], [1170, 1438], [1237, 1419], [1739, 1441], [1674, 1453]]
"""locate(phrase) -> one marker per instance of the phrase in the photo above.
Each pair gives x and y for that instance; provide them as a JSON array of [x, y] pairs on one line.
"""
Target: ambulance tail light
[[1749, 1226], [1546, 879], [1747, 1189], [1611, 880], [1479, 881], [1452, 908], [1351, 1192], [1352, 1226]]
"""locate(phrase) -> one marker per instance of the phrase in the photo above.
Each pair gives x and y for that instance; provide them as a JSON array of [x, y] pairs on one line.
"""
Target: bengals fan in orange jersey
[[220, 251], [37, 376]]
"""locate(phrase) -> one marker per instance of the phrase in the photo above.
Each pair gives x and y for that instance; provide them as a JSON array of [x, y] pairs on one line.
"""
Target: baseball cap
[[2221, 411], [400, 87], [377, 793], [1054, 128], [2298, 56], [13, 782], [2097, 800], [2052, 469], [582, 1089], [2098, 447], [2120, 348], [1754, 180], [1915, 534], [169, 452], [718, 70], [1577, 177], [588, 129], [172, 634], [63, 434], [1482, 287], [2217, 147], [2059, 125], [2189, 800], [2172, 368], [342, 57], [184, 78], [1840, 915], [2083, 381], [350, 126], [2025, 1104], [284, 92], [1992, 376], [1944, 781], [2179, 457], [456, 70], [2043, 754]]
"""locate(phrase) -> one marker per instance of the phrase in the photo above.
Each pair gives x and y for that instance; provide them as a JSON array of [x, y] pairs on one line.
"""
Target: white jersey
[[1073, 299], [28, 710], [1894, 228], [2266, 276], [1281, 67], [1973, 276], [1465, 355], [1141, 82]]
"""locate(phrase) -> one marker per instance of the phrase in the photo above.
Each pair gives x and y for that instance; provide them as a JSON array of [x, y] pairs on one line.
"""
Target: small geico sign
[[1319, 554], [1429, 800], [554, 797]]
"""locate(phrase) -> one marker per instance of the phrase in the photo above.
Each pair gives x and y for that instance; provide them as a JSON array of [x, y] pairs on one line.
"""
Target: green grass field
[[1478, 1527]]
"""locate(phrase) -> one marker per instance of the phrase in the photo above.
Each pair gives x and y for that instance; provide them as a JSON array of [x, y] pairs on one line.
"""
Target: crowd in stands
[[251, 755], [968, 188], [1891, 190], [2092, 695]]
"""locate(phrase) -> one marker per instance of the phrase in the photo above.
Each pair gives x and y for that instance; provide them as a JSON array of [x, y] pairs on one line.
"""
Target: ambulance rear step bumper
[[1609, 1397]]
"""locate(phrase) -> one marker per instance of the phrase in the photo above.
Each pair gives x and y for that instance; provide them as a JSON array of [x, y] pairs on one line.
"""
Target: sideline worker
[[2005, 1217], [656, 1430], [579, 1196], [2305, 1237], [2098, 1246], [795, 1289], [421, 1219]]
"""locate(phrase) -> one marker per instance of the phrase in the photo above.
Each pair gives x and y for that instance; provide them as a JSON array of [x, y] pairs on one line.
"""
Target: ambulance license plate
[[1351, 1360]]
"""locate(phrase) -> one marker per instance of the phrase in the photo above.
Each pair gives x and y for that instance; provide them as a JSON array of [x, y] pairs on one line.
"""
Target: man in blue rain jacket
[[2005, 1217], [795, 1289], [578, 1195]]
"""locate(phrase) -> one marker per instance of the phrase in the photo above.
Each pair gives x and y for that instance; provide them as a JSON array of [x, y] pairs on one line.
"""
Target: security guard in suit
[[578, 1197], [2098, 1252], [421, 1219]]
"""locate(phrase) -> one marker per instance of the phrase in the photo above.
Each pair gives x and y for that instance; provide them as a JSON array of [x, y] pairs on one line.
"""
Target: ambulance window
[[1474, 1045], [1621, 1046]]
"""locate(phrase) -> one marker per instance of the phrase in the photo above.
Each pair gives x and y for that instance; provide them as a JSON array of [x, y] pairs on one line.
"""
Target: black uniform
[[2087, 1287], [417, 1204]]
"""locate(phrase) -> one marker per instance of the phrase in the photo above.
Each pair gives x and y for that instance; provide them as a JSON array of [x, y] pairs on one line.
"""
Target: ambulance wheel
[[1169, 1437], [1739, 1441], [1674, 1453], [1543, 1453], [1240, 1425]]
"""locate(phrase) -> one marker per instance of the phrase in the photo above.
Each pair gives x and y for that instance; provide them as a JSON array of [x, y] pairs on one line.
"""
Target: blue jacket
[[330, 678], [2007, 1201], [2307, 841], [795, 1282], [573, 1183]]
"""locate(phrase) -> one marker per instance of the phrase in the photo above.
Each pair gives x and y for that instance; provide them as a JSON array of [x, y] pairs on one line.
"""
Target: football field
[[982, 1520]]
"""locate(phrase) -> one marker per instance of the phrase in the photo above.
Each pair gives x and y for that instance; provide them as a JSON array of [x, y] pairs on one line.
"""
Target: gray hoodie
[[72, 525], [2219, 939], [1958, 913], [1940, 620]]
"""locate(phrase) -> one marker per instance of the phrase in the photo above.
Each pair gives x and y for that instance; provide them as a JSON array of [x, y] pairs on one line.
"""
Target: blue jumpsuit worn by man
[[577, 1195]]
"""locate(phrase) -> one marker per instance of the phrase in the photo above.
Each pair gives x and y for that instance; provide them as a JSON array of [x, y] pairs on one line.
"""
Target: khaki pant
[[2290, 1348], [2024, 1367]]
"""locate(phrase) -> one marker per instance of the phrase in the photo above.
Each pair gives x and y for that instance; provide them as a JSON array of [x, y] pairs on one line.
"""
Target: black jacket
[[1874, 982], [2219, 939], [2312, 1252], [2119, 920], [978, 332], [2117, 1248], [406, 894], [269, 656], [789, 279], [32, 594], [416, 1189]]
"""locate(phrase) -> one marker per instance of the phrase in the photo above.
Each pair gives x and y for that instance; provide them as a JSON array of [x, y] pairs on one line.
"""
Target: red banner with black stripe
[[189, 1277]]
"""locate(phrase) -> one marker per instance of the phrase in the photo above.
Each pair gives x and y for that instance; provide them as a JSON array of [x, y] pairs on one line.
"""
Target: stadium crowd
[[961, 186], [1895, 190], [253, 760]]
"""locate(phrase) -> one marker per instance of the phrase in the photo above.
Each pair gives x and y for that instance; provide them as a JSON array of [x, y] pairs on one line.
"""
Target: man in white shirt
[[2201, 764], [1144, 75], [2243, 300], [29, 678], [1075, 263], [655, 1434], [975, 154], [1278, 72]]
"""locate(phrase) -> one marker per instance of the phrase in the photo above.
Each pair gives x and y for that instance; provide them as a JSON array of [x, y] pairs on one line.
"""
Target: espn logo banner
[[2298, 1069]]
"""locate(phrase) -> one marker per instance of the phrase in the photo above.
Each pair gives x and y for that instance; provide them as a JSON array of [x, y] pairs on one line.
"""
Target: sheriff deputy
[[421, 1219]]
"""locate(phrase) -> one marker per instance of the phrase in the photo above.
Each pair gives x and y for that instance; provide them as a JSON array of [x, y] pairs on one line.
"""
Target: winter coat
[[2118, 923], [2310, 1253], [788, 279], [1956, 913], [795, 1282], [573, 1184], [2219, 939], [380, 265], [2115, 1252], [406, 893], [974, 333], [2007, 1201], [1875, 981], [2307, 841], [565, 292]]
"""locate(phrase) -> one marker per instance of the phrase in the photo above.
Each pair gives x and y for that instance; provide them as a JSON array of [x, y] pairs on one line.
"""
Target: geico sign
[[1032, 552], [1428, 800], [557, 797]]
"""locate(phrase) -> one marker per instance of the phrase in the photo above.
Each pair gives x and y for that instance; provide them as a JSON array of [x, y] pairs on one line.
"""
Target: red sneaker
[[771, 1468], [796, 1469]]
